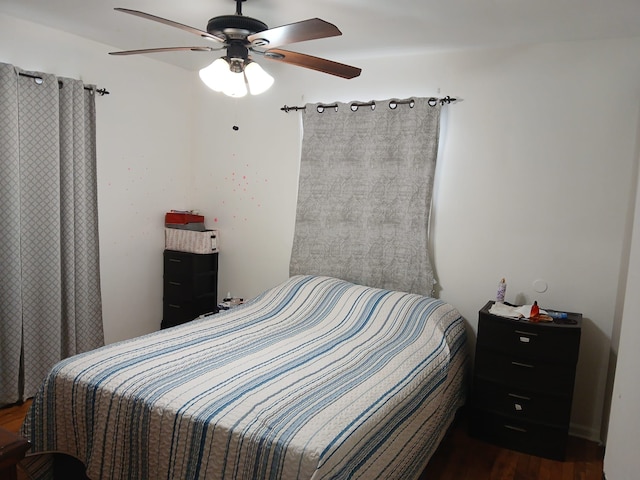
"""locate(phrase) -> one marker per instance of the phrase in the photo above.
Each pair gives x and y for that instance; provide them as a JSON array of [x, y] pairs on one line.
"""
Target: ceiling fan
[[241, 35]]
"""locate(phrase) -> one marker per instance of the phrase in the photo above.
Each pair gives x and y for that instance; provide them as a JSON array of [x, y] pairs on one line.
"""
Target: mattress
[[316, 378]]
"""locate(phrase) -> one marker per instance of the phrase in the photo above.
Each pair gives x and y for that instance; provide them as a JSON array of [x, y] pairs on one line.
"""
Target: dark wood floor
[[11, 417], [461, 457]]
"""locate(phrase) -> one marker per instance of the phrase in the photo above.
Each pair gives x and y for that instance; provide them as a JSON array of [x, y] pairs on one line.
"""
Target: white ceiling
[[370, 27]]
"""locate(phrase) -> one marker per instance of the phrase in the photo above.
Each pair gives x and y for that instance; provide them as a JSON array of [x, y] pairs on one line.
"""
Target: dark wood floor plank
[[480, 458], [528, 468], [11, 417], [568, 471], [457, 466], [504, 468], [550, 469]]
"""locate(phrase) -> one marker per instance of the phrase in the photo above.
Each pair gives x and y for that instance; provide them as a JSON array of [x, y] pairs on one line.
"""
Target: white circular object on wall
[[540, 286]]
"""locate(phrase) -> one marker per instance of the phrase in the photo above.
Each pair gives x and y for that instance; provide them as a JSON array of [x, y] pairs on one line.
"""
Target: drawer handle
[[175, 260], [531, 334], [174, 306], [519, 397], [175, 283], [520, 364], [525, 337], [516, 429]]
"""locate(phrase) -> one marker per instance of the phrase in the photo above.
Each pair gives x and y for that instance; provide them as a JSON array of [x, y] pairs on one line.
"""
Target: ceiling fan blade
[[311, 29], [171, 23], [314, 63], [165, 49]]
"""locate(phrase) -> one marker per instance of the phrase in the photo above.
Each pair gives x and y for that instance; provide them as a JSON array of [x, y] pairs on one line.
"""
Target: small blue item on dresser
[[557, 315]]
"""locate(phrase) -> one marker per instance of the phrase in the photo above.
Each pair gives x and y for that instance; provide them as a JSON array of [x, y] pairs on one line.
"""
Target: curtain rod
[[392, 104], [99, 91]]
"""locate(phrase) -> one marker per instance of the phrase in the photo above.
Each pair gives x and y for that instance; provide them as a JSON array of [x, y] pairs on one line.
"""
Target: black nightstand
[[523, 383], [190, 286]]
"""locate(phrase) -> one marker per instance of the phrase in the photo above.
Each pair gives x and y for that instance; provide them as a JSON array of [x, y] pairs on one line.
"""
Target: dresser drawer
[[552, 343], [175, 312], [181, 265], [522, 404], [525, 373], [529, 437], [187, 288]]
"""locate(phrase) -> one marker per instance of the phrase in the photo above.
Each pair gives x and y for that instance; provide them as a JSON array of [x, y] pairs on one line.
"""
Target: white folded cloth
[[503, 310]]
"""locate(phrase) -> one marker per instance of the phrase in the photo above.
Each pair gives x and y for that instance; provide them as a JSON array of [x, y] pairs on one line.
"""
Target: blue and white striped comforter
[[317, 378]]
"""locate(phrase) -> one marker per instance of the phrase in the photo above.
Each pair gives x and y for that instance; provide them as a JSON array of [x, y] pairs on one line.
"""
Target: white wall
[[620, 460], [537, 172], [534, 178], [246, 183], [144, 161]]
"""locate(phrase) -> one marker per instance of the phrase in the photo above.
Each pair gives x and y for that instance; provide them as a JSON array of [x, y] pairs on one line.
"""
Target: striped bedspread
[[314, 379]]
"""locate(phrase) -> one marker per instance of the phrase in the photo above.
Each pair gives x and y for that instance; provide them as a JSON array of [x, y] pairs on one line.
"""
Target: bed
[[316, 378]]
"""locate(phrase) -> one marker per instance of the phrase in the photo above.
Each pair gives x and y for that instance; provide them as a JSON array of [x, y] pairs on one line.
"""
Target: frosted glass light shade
[[235, 85], [233, 78], [216, 76], [259, 81]]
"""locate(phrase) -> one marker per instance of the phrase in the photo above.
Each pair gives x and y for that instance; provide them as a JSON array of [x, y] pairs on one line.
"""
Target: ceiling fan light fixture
[[215, 76], [224, 76], [235, 78], [259, 81], [235, 85]]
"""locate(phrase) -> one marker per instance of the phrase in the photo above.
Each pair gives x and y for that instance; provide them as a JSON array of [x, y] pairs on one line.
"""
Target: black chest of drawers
[[523, 383], [190, 286]]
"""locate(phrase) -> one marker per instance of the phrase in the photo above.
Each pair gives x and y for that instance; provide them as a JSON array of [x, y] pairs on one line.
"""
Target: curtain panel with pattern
[[364, 198], [50, 303]]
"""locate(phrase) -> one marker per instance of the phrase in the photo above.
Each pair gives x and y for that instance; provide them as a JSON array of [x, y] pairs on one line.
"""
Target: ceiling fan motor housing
[[237, 50], [235, 26]]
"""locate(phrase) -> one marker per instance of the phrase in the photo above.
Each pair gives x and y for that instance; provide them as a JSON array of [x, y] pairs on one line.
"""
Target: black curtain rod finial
[[287, 109], [445, 100]]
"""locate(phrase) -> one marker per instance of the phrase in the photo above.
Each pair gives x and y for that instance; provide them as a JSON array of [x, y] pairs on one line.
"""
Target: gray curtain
[[50, 304], [366, 179]]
